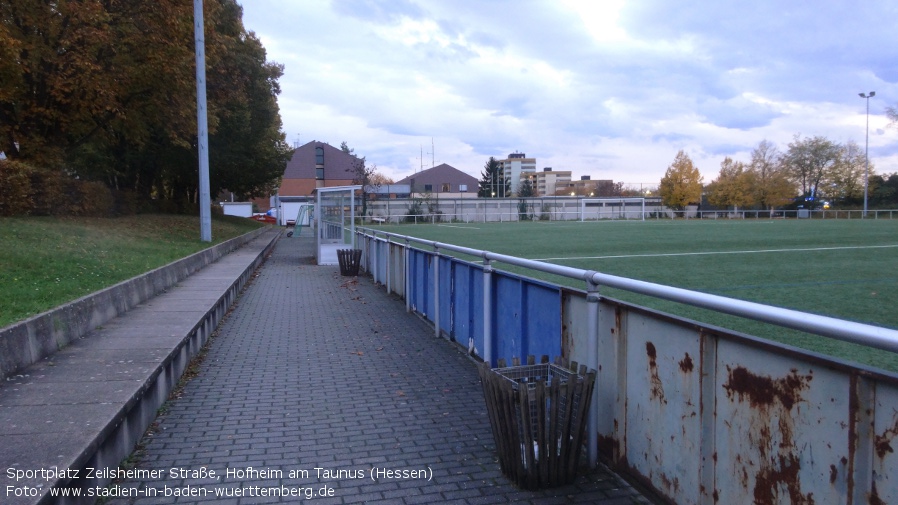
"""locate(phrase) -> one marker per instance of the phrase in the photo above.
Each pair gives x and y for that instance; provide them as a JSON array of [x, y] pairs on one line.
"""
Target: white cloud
[[610, 89]]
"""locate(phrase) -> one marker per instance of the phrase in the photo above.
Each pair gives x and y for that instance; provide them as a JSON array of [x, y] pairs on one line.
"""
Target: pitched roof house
[[317, 165], [444, 180]]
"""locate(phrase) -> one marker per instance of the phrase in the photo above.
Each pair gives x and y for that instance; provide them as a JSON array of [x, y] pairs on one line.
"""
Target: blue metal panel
[[541, 329], [467, 306], [507, 316], [419, 263], [527, 317], [422, 290], [446, 294]]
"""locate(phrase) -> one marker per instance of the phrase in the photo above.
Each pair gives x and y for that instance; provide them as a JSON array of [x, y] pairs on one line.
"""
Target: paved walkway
[[314, 380]]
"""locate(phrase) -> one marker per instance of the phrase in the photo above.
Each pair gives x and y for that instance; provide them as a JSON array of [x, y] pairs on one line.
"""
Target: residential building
[[548, 182], [317, 165], [588, 187], [516, 166], [442, 181]]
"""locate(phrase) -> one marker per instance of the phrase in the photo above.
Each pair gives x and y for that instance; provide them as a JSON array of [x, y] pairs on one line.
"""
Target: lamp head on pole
[[863, 95]]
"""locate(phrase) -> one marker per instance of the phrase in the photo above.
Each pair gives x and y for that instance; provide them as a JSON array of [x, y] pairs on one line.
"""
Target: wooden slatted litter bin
[[349, 260], [538, 413]]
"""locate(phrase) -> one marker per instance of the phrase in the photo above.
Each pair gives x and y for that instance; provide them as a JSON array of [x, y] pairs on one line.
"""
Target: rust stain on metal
[[765, 391], [771, 401], [673, 486], [853, 420], [686, 364], [657, 390], [768, 482], [833, 474], [883, 442], [874, 496], [608, 446]]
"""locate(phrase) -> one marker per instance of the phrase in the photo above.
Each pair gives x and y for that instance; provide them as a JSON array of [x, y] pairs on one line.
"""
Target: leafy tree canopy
[[106, 91], [681, 184]]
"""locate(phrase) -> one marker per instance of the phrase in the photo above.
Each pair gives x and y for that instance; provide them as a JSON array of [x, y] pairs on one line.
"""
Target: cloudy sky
[[606, 88]]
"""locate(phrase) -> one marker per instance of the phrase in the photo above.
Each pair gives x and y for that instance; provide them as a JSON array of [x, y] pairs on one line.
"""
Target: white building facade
[[516, 166]]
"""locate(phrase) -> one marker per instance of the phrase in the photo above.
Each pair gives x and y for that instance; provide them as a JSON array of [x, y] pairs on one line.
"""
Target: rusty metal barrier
[[698, 413]]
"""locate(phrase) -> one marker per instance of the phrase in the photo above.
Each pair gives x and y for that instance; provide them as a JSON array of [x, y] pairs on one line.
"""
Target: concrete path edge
[[24, 343]]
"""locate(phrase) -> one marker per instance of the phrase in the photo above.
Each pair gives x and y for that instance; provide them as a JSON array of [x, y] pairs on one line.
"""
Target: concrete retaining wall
[[24, 343]]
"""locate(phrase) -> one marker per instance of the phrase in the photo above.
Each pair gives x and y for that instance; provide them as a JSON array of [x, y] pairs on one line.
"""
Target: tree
[[105, 91], [733, 186], [248, 150], [681, 184], [492, 182], [380, 179], [527, 190], [892, 114], [362, 175], [771, 185], [883, 190], [844, 181], [809, 161]]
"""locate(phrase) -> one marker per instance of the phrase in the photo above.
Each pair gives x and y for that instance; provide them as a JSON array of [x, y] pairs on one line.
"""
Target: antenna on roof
[[432, 156]]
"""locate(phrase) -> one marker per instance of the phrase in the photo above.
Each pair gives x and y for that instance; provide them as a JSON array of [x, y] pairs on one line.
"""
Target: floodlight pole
[[867, 149], [202, 127]]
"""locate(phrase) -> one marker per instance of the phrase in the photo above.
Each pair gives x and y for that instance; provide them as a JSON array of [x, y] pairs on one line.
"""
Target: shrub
[[15, 188], [95, 199]]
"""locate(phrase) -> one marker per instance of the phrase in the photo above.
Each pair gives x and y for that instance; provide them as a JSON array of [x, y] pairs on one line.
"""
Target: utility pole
[[867, 149], [202, 126]]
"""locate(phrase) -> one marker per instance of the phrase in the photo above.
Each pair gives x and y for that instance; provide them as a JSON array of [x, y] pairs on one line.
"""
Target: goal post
[[612, 208]]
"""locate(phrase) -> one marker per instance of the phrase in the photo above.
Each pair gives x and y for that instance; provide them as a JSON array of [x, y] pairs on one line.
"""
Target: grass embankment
[[47, 261], [840, 268]]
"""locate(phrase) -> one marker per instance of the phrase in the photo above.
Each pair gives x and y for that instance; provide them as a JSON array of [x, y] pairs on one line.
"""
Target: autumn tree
[[844, 181], [771, 186], [733, 186], [681, 184], [381, 179], [810, 160], [107, 91]]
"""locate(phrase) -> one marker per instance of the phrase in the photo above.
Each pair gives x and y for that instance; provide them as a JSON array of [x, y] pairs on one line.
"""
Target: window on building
[[462, 188], [428, 188], [319, 156], [319, 173], [446, 187]]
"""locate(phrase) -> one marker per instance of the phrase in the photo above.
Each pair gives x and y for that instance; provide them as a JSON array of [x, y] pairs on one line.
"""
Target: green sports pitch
[[842, 268]]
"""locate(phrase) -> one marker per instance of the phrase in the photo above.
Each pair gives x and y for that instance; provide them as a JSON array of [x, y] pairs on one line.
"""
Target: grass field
[[842, 268], [45, 262]]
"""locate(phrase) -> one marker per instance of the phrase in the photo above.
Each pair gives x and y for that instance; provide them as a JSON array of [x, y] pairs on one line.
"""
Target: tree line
[[810, 171], [105, 92]]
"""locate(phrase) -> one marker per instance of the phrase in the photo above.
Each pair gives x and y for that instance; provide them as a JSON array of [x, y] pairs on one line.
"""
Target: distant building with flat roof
[[514, 167]]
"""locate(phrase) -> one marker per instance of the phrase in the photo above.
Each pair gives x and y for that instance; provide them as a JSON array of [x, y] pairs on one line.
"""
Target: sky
[[612, 89]]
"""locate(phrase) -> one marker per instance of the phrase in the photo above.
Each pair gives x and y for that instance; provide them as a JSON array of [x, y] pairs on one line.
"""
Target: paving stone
[[314, 370]]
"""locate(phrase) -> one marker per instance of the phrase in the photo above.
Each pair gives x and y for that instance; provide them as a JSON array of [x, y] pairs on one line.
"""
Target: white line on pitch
[[462, 227], [708, 253]]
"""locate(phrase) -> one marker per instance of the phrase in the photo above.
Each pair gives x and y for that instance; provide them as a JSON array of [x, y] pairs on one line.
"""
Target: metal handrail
[[839, 329]]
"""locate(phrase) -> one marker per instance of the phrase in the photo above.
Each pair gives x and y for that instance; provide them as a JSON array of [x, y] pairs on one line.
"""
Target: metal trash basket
[[349, 260], [538, 413]]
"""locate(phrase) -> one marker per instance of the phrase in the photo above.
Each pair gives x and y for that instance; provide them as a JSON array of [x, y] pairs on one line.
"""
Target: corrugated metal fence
[[700, 414]]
